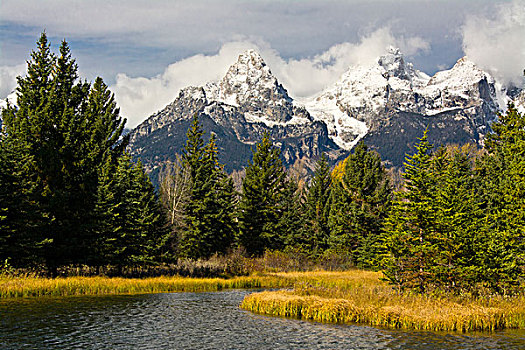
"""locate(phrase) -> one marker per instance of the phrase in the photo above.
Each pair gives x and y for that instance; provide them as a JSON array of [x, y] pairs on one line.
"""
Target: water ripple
[[201, 321]]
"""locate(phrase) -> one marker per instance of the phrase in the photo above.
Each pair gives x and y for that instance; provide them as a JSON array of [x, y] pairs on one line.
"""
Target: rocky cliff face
[[247, 103], [368, 98], [388, 104]]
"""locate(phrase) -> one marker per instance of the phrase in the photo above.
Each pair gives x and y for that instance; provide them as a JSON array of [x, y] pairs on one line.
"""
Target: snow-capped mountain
[[366, 97], [519, 101], [247, 103], [250, 85], [388, 104]]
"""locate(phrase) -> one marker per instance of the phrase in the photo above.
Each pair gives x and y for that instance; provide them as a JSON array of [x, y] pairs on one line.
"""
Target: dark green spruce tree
[[359, 203], [208, 213], [291, 222], [19, 216], [409, 231], [458, 218], [22, 126], [132, 225], [260, 208], [221, 207], [47, 121], [501, 253], [316, 207], [61, 136]]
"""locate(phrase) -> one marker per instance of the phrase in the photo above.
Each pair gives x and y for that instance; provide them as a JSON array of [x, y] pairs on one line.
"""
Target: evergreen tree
[[208, 213], [260, 207], [292, 220], [358, 205], [22, 126], [221, 205], [151, 219], [410, 226], [45, 121], [19, 241], [317, 208], [193, 241], [63, 140], [458, 219], [433, 227], [132, 227], [501, 251]]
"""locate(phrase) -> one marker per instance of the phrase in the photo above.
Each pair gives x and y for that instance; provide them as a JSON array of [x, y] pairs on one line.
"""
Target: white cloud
[[8, 76], [308, 76], [495, 42], [140, 97]]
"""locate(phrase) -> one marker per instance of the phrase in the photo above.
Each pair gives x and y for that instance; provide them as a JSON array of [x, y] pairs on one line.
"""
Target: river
[[201, 321]]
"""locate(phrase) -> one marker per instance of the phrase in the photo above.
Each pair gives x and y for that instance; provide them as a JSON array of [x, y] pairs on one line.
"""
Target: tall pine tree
[[358, 205], [64, 140], [410, 226], [132, 225], [261, 205], [501, 252], [208, 213], [434, 225], [317, 205]]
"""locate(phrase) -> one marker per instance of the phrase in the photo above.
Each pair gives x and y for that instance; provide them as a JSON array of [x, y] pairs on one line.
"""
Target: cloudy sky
[[147, 50]]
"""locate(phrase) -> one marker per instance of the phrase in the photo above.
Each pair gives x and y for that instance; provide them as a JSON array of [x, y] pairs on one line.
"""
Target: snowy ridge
[[344, 130], [247, 103], [361, 93], [388, 102], [250, 86], [367, 95], [457, 88]]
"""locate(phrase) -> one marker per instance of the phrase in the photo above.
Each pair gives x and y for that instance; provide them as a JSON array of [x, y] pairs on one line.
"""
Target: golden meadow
[[353, 296]]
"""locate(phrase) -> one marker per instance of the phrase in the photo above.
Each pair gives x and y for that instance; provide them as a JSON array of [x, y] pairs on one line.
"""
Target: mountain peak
[[250, 83], [465, 73], [394, 51], [251, 58], [465, 64], [250, 71], [395, 65]]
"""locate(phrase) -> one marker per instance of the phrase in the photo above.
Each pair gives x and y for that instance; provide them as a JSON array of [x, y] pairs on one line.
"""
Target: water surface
[[201, 321]]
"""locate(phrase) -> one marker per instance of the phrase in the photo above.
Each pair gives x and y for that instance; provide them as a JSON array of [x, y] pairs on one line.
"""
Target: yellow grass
[[37, 286], [340, 297], [34, 286], [360, 297]]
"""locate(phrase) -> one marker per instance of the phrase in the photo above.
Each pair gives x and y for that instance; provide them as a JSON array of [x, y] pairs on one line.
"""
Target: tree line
[[71, 195], [456, 224]]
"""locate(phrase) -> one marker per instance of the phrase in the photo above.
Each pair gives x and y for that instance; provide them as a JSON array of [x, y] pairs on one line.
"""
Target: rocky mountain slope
[[388, 104], [247, 103]]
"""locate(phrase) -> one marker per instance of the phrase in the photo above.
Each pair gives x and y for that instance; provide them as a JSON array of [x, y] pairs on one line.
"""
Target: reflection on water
[[200, 321]]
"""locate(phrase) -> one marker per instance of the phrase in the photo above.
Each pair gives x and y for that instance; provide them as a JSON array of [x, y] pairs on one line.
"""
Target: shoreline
[[17, 287], [353, 296]]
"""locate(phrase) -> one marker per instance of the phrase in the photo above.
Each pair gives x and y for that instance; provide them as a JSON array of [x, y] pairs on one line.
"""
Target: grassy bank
[[29, 286], [341, 297], [36, 286], [360, 297]]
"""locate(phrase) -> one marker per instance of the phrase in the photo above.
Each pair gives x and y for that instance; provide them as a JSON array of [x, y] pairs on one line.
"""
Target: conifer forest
[[70, 195]]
